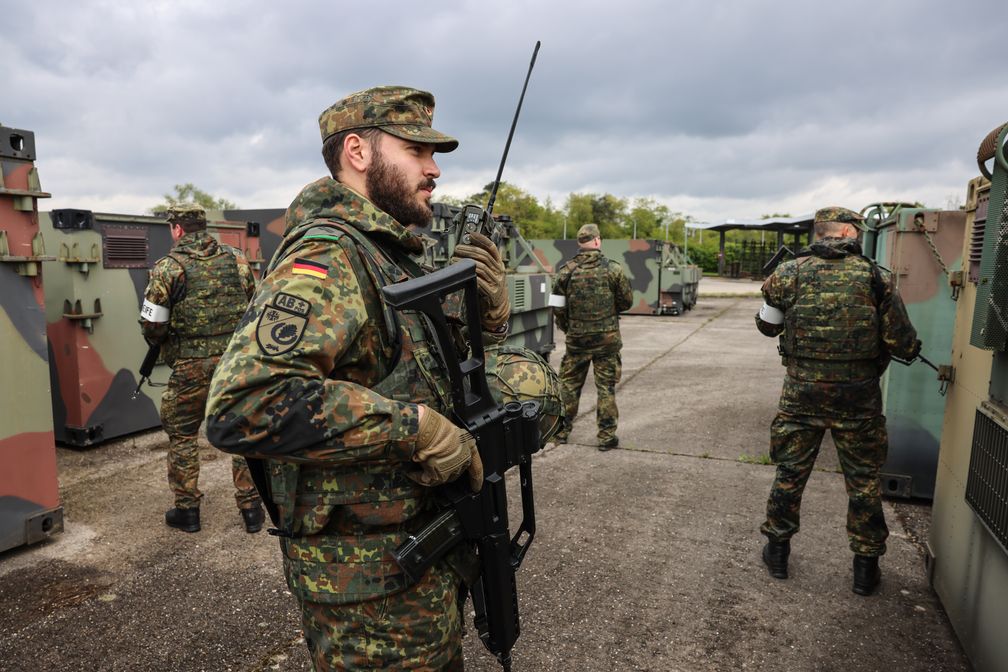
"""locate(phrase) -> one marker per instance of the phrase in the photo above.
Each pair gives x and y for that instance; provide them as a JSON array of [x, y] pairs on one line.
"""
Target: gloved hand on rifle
[[491, 278], [444, 451]]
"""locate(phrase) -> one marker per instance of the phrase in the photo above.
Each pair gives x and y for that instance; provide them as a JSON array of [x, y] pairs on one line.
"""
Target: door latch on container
[[956, 283]]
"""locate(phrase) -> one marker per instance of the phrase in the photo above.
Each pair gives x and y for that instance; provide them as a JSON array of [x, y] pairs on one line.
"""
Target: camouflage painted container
[[968, 538], [662, 277], [93, 295], [30, 509], [918, 245]]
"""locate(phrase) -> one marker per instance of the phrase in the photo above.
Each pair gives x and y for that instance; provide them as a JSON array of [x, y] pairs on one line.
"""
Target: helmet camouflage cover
[[519, 374]]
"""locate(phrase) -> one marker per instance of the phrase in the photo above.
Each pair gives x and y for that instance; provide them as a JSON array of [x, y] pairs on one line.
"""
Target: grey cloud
[[720, 106]]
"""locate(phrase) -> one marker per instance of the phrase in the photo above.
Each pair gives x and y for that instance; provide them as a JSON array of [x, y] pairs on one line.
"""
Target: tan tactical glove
[[491, 278], [444, 451]]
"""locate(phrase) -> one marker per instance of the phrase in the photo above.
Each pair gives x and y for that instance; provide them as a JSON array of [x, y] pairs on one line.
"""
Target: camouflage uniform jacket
[[595, 290], [204, 286], [315, 384], [843, 320]]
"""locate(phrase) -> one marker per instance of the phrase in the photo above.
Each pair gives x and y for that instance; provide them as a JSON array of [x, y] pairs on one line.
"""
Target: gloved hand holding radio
[[491, 278]]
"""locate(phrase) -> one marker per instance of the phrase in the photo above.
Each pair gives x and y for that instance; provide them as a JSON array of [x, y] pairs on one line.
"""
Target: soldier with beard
[[342, 401]]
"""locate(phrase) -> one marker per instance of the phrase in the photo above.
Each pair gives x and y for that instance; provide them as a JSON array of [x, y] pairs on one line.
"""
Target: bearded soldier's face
[[400, 179]]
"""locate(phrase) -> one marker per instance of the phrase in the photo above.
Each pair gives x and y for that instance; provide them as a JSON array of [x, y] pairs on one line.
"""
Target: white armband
[[771, 315], [557, 301], [154, 313]]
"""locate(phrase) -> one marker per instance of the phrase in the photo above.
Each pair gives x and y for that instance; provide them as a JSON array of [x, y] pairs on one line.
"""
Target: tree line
[[616, 217]]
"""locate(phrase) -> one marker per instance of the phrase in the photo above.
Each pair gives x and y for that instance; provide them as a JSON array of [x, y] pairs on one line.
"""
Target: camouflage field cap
[[398, 110], [588, 233], [185, 213], [839, 215]]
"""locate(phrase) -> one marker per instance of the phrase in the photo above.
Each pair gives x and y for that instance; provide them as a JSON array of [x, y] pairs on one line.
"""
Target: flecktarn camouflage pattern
[[185, 213], [838, 215], [589, 292], [337, 442], [843, 320], [183, 406], [401, 111], [195, 297]]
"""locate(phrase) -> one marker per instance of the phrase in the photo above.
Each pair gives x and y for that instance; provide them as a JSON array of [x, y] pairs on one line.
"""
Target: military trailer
[[30, 508], [93, 293], [663, 279], [968, 540], [923, 249]]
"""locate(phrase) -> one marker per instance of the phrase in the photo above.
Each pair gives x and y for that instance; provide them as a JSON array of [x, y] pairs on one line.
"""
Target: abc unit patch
[[282, 324]]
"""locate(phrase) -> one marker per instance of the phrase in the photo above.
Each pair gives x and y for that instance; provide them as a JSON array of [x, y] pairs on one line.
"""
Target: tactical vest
[[344, 521], [834, 315], [591, 306], [203, 321]]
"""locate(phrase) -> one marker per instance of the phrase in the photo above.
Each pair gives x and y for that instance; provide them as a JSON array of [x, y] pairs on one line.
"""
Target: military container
[[93, 292], [663, 279], [968, 539], [30, 509], [923, 248]]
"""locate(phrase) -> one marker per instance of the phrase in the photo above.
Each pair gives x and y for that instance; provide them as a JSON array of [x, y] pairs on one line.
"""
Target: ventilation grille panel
[[987, 483], [125, 246]]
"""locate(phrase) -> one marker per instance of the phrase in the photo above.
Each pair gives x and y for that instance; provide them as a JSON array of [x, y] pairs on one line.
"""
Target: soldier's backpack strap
[[376, 274]]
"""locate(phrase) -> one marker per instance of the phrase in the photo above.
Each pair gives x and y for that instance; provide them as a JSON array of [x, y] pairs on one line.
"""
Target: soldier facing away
[[342, 401], [589, 293], [194, 299], [840, 320]]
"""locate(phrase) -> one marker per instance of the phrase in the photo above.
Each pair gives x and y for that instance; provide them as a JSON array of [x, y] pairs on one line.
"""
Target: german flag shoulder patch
[[308, 267]]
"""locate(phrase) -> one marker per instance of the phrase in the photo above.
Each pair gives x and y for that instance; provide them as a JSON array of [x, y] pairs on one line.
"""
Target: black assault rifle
[[147, 367], [506, 436]]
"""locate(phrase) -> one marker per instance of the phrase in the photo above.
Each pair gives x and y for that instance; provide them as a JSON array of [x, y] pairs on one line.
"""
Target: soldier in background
[[342, 401], [195, 298], [840, 320], [588, 294]]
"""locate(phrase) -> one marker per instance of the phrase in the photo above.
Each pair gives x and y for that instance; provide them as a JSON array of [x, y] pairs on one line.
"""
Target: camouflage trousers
[[183, 406], [607, 366], [861, 445], [419, 628]]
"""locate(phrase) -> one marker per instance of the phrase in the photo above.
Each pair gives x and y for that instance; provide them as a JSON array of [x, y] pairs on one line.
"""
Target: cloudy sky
[[720, 110]]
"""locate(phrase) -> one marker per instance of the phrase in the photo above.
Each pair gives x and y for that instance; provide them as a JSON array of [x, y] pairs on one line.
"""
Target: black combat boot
[[253, 518], [775, 556], [186, 520], [866, 574], [609, 445]]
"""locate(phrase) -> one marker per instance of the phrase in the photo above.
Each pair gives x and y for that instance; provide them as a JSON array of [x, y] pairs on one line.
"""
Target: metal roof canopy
[[800, 224], [796, 226]]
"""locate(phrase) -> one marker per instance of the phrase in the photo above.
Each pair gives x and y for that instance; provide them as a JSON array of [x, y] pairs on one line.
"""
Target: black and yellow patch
[[282, 324]]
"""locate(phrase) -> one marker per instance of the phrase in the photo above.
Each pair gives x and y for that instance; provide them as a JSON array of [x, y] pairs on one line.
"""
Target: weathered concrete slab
[[646, 558]]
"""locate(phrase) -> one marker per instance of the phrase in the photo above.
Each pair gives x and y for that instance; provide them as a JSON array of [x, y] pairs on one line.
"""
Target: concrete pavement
[[646, 558]]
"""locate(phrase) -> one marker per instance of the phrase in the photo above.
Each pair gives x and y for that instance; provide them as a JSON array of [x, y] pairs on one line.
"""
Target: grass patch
[[762, 458]]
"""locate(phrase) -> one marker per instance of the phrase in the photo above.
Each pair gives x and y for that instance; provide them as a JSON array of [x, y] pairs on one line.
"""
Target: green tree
[[190, 193]]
